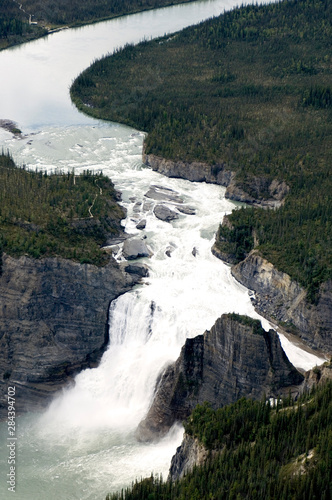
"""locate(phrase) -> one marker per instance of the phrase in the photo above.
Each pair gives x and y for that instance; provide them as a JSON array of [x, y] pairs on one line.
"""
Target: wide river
[[83, 446]]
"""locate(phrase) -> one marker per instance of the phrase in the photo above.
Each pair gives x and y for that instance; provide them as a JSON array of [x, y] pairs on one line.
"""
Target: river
[[83, 445]]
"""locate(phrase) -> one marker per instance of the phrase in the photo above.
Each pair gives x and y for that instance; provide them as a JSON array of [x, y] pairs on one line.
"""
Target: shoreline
[[79, 24]]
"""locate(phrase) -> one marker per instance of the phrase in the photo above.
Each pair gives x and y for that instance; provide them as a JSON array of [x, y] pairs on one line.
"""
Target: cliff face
[[281, 299], [53, 323], [190, 453], [219, 174], [221, 366]]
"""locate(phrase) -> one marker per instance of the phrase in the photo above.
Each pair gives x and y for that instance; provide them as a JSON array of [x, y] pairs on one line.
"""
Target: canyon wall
[[53, 323], [284, 301], [219, 174], [235, 358]]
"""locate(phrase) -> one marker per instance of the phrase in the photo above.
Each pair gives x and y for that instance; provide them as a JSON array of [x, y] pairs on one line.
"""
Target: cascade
[[84, 446]]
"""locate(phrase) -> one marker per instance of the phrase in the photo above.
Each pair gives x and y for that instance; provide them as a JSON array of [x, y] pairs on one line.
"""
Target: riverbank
[[28, 21], [245, 122]]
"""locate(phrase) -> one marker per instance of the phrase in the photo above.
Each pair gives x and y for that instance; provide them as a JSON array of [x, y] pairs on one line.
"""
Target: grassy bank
[[56, 215], [252, 90]]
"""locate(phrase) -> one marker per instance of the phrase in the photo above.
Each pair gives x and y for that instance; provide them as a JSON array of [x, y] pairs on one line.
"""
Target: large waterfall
[[84, 446]]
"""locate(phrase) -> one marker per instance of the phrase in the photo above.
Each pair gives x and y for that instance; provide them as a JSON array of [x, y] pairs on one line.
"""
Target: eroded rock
[[53, 324], [232, 360], [134, 249], [164, 213]]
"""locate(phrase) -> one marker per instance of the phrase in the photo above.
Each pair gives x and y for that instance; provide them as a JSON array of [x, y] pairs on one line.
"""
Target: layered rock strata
[[235, 358], [259, 187], [53, 323], [190, 453], [193, 453], [279, 298]]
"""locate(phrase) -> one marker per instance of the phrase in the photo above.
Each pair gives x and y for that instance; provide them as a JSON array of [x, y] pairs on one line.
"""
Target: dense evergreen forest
[[14, 25], [64, 215], [14, 15], [250, 90], [78, 11], [258, 451]]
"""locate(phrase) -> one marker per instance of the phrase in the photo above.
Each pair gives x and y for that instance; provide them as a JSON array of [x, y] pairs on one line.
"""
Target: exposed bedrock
[[53, 323], [234, 359], [192, 452], [283, 300], [260, 190]]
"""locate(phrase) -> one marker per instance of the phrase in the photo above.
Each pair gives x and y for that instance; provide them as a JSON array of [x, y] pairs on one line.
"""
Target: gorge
[[84, 445]]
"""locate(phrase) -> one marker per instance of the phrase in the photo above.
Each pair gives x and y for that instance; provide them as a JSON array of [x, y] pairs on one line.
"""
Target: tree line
[[44, 215], [258, 449], [249, 90], [14, 21]]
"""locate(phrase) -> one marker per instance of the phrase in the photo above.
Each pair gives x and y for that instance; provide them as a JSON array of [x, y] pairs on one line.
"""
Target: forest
[[14, 20], [43, 215], [14, 25], [77, 11], [258, 450], [250, 91]]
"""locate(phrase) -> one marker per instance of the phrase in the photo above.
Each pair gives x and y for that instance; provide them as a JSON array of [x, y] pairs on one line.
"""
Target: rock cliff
[[259, 191], [235, 358], [53, 323], [190, 453], [279, 298]]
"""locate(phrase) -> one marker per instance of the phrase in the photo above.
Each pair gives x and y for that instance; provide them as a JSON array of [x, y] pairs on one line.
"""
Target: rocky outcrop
[[317, 376], [165, 213], [190, 453], [135, 248], [141, 270], [259, 191], [192, 171], [53, 323], [193, 453], [279, 298], [236, 358]]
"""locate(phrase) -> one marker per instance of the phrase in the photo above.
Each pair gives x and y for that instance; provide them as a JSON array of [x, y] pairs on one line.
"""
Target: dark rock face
[[53, 323], [281, 299], [140, 270], [264, 192], [164, 213], [221, 366], [190, 453], [134, 249], [193, 171]]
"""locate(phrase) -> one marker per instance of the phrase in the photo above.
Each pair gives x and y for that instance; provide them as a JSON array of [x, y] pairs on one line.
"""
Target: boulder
[[134, 249], [141, 224], [164, 213]]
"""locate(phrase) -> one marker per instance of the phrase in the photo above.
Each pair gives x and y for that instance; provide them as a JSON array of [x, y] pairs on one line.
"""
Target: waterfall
[[84, 444]]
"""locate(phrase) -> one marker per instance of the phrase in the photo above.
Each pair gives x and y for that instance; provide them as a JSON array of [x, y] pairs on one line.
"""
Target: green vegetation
[[72, 12], [14, 21], [255, 324], [296, 238], [250, 90], [258, 452], [14, 25], [45, 215]]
